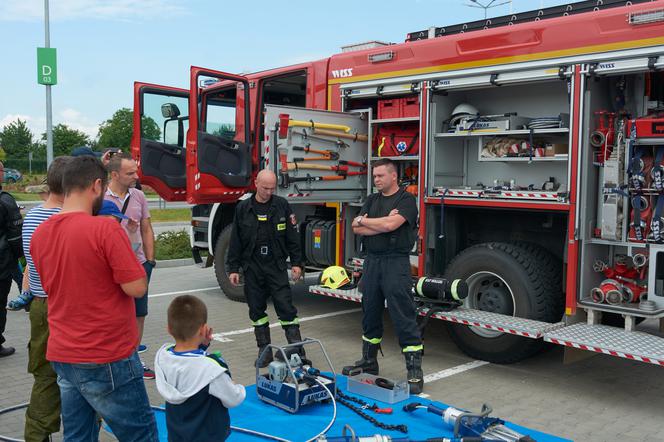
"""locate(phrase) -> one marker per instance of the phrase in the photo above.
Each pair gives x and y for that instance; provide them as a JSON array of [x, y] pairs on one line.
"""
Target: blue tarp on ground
[[255, 414]]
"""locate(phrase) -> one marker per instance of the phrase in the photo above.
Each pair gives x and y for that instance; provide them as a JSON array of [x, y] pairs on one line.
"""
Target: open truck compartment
[[507, 142], [622, 195], [318, 156]]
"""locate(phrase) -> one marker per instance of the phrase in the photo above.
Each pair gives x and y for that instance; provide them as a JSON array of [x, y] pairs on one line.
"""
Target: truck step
[[528, 328], [491, 321], [348, 295], [637, 346]]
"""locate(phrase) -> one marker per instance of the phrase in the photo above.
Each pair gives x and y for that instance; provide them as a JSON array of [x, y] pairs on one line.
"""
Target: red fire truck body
[[516, 135]]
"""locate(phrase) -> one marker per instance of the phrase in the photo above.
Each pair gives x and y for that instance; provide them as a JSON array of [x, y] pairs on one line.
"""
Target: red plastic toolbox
[[647, 127], [389, 108], [410, 106]]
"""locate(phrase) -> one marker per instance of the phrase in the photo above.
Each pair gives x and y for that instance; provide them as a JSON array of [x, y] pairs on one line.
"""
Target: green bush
[[173, 244]]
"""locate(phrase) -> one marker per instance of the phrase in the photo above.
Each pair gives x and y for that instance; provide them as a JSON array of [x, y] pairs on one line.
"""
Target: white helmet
[[462, 110]]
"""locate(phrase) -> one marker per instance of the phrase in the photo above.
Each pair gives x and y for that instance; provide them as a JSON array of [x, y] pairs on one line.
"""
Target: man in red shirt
[[91, 275]]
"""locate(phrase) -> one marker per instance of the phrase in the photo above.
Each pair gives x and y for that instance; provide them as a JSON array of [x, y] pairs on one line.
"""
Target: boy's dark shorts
[[142, 303]]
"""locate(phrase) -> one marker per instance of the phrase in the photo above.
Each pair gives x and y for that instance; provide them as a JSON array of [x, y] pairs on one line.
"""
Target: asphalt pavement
[[600, 398]]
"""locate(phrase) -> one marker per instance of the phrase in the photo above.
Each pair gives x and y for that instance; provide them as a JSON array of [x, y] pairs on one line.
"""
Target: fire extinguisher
[[640, 216]]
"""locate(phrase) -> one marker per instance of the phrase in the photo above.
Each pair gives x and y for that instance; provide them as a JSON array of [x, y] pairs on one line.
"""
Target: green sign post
[[47, 68]]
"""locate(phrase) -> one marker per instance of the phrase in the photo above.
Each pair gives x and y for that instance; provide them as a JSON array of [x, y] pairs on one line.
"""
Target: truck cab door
[[219, 155], [160, 123]]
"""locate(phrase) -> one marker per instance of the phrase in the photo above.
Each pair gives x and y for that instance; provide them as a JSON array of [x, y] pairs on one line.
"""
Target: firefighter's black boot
[[368, 363], [293, 335], [415, 374], [263, 340]]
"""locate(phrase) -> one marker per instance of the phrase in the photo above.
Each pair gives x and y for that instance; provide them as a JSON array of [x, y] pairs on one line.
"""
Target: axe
[[331, 133], [285, 122]]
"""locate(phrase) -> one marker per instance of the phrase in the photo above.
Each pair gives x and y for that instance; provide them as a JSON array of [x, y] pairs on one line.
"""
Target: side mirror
[[170, 111]]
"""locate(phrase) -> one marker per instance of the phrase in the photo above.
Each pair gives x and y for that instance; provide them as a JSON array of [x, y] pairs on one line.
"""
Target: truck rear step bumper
[[634, 345]]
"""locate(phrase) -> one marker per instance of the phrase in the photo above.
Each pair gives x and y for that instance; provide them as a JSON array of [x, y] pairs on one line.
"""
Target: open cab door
[[219, 155], [160, 123]]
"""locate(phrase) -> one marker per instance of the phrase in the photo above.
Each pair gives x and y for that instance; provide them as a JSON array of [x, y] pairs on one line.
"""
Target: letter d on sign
[[47, 71]]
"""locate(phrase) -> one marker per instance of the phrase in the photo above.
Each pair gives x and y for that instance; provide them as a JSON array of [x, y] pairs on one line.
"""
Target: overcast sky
[[105, 45]]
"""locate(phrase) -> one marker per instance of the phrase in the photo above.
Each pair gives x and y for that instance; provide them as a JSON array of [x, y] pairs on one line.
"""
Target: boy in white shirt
[[196, 385]]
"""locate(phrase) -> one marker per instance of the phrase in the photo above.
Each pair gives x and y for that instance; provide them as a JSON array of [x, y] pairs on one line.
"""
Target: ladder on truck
[[590, 336], [578, 7]]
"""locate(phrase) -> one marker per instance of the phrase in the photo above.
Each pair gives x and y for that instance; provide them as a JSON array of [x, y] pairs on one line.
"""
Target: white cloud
[[37, 125], [130, 10], [70, 117], [76, 120]]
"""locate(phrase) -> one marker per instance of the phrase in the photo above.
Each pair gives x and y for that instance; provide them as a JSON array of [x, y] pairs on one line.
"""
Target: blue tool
[[473, 426]]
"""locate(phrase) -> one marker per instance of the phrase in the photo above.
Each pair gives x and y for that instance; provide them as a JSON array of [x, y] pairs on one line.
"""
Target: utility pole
[[49, 112], [487, 6]]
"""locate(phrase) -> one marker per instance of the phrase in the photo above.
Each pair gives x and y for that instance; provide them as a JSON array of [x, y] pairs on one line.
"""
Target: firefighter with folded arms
[[388, 221], [265, 233]]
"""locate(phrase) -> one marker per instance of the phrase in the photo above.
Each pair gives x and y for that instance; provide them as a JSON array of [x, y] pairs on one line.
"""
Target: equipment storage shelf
[[562, 130], [492, 161], [621, 269], [398, 158], [396, 136], [395, 120]]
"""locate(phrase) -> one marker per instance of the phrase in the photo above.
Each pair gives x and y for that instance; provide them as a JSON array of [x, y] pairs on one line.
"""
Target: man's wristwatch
[[152, 262]]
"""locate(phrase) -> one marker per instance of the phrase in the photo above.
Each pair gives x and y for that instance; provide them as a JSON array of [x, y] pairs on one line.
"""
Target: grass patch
[[173, 244], [24, 196], [165, 215]]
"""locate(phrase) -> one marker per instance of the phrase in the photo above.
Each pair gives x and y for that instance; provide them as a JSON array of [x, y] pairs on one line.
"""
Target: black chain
[[346, 400]]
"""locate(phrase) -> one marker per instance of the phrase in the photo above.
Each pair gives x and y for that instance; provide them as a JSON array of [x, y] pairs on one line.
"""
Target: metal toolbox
[[492, 124], [364, 384]]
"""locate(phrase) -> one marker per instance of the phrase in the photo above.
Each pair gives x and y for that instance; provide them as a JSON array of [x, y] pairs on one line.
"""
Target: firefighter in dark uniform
[[265, 233], [388, 221], [11, 249]]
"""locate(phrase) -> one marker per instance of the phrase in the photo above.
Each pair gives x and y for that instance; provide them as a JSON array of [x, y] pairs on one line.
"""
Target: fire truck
[[534, 143]]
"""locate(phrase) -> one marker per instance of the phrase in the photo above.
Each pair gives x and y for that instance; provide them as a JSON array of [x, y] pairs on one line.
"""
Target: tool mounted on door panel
[[285, 180], [285, 122], [327, 155], [307, 136], [355, 137]]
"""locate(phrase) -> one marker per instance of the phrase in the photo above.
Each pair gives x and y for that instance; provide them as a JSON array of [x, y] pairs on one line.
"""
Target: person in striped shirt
[[42, 417]]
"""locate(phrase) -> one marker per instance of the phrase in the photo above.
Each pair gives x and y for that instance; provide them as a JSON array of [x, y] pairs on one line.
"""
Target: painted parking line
[[453, 370], [222, 337], [182, 292]]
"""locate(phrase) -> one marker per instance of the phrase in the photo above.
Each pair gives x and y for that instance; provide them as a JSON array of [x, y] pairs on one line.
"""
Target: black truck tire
[[234, 293], [551, 268], [503, 278]]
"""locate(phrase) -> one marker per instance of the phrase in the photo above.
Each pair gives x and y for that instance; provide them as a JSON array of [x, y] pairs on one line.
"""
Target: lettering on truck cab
[[342, 73]]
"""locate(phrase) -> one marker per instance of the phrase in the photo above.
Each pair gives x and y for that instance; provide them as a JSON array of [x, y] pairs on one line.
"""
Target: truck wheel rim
[[489, 292]]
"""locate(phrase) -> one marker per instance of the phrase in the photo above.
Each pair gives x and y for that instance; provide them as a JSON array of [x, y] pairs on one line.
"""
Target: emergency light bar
[[646, 17]]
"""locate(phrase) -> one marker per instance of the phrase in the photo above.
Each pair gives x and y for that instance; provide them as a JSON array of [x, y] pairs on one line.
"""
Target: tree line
[[17, 140]]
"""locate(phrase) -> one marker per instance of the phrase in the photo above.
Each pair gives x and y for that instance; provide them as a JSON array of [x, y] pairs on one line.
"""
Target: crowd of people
[[89, 253]]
